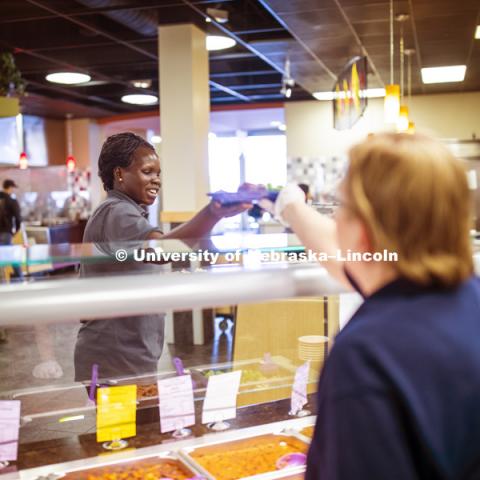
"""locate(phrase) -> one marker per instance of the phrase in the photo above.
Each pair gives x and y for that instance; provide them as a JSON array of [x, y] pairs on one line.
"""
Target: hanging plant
[[11, 81]]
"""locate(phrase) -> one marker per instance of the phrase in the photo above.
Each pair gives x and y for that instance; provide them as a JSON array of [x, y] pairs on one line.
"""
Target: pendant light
[[392, 91], [71, 162], [402, 121], [23, 161], [23, 158], [409, 52]]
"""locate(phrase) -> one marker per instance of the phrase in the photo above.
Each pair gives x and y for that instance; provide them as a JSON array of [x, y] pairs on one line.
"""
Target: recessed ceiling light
[[68, 78], [218, 42], [477, 32], [142, 83], [369, 93], [455, 73], [140, 99]]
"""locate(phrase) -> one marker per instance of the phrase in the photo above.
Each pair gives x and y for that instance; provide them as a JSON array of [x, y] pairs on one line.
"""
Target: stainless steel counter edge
[[106, 297], [34, 473]]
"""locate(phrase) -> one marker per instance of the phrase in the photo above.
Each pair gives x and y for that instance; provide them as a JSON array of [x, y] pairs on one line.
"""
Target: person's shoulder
[[113, 206]]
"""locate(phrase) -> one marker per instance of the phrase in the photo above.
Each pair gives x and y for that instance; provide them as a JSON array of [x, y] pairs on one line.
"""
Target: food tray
[[165, 465], [71, 398], [253, 378], [248, 457], [307, 431], [243, 196], [304, 432]]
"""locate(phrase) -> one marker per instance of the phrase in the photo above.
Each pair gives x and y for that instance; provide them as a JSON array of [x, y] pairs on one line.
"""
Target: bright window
[[224, 163], [266, 159]]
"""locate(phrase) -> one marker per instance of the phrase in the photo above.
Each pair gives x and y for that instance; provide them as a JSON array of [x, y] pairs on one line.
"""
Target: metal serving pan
[[70, 399], [249, 451], [283, 376], [104, 471], [304, 432]]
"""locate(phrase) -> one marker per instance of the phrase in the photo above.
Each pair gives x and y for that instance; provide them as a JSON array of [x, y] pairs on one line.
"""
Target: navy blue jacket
[[399, 397]]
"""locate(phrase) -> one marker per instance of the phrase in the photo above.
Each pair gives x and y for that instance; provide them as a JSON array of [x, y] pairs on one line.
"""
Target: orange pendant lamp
[[392, 91]]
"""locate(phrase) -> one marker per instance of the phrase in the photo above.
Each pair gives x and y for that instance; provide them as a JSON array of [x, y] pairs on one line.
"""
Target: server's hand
[[292, 193], [222, 211], [48, 369]]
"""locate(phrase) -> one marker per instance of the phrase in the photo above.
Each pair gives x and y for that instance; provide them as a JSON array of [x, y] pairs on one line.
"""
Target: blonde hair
[[412, 195]]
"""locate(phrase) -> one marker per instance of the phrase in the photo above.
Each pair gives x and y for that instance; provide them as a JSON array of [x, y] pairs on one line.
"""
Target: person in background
[[10, 220], [130, 171], [399, 394]]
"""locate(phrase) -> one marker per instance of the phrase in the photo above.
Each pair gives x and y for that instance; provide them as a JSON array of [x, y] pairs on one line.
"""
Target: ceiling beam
[[231, 92], [259, 30], [359, 41], [236, 37], [95, 11], [232, 56], [124, 43], [255, 86], [244, 74], [88, 45], [82, 96], [87, 26], [297, 38], [98, 75]]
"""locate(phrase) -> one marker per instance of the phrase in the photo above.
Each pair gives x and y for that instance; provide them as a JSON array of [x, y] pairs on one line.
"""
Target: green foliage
[[11, 81]]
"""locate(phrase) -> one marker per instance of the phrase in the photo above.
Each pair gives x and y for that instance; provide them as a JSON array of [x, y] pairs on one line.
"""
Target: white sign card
[[221, 397], [9, 428], [299, 389], [176, 403]]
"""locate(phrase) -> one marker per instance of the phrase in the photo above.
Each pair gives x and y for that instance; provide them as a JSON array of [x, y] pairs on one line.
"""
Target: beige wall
[[310, 129]]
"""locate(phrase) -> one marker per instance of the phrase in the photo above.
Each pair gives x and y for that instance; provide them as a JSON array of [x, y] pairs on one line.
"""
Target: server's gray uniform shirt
[[127, 345]]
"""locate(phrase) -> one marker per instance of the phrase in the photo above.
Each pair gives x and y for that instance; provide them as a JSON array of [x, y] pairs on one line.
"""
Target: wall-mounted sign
[[350, 99]]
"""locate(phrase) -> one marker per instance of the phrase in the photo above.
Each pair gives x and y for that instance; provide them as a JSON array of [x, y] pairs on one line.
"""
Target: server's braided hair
[[118, 151]]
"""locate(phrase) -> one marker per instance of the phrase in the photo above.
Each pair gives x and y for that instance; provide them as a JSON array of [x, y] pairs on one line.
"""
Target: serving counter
[[285, 313]]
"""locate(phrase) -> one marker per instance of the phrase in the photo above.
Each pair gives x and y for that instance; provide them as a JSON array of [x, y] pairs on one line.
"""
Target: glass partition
[[245, 305], [253, 305]]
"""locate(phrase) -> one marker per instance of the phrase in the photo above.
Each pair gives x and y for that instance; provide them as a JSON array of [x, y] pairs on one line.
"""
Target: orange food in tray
[[244, 458], [308, 431], [147, 391], [150, 469]]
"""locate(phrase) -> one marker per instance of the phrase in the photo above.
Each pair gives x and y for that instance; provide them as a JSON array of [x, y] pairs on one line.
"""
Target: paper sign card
[[176, 403], [116, 412], [221, 397], [9, 427], [299, 389]]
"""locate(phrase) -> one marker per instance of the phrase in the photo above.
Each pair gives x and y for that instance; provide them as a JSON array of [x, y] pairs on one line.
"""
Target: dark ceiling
[[115, 41]]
